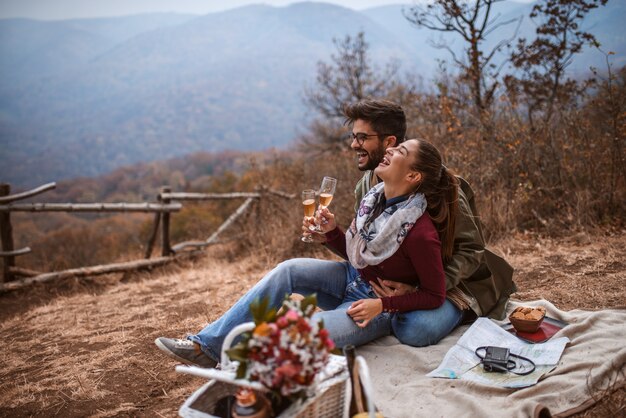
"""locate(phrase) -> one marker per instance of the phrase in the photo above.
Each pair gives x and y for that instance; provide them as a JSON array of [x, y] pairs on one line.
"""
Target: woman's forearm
[[336, 240]]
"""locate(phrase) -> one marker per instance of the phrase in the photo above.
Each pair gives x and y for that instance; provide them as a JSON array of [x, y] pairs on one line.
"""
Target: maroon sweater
[[417, 262]]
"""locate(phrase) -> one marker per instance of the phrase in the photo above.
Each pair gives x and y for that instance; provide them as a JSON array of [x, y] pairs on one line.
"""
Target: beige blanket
[[593, 359]]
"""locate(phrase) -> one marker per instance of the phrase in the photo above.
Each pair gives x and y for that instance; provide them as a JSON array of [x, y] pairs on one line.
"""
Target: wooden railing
[[168, 203]]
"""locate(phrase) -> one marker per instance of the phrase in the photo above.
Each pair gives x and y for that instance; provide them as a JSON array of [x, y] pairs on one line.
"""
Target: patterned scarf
[[372, 239]]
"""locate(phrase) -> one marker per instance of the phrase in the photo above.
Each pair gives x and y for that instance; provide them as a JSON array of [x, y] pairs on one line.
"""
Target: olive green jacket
[[485, 278]]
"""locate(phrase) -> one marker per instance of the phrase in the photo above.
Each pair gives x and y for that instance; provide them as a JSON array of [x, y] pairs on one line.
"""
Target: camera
[[496, 359]]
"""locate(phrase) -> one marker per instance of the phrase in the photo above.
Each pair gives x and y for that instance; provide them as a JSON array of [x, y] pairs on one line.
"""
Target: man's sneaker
[[185, 351]]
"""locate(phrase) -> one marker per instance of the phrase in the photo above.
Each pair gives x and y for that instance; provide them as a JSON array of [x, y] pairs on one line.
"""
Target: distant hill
[[32, 49], [83, 97], [229, 80]]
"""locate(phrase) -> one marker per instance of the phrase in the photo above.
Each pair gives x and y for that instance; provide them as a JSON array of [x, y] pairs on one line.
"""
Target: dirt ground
[[74, 349]]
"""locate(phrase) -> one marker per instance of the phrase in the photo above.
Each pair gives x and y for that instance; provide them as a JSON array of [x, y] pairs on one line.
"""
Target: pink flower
[[291, 315], [330, 344], [282, 322], [288, 370]]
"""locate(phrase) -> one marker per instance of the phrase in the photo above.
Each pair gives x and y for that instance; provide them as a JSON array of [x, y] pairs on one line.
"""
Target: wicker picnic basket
[[328, 399]]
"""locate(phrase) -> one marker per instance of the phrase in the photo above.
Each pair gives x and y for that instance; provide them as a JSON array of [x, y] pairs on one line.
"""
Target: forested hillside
[[84, 97]]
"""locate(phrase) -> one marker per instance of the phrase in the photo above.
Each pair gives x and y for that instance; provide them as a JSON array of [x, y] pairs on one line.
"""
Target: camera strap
[[504, 363]]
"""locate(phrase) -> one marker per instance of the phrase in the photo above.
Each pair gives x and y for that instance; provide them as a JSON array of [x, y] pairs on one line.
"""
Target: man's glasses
[[360, 137]]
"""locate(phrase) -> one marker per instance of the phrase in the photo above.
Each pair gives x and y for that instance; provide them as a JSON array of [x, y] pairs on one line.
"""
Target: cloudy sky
[[68, 9]]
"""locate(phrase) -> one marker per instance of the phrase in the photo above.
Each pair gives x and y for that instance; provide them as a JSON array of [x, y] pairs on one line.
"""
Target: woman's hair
[[386, 117], [441, 189]]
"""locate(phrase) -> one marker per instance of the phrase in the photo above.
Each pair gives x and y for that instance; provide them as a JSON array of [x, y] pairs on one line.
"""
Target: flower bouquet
[[285, 351], [280, 367]]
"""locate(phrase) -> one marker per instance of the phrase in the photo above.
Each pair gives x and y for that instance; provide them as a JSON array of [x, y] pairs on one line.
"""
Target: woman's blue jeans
[[337, 284]]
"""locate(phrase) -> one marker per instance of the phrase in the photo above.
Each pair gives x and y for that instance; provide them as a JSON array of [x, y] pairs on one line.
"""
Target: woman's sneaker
[[185, 351]]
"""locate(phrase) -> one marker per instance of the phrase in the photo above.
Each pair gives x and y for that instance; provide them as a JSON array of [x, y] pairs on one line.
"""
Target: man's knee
[[287, 273], [291, 264], [287, 268]]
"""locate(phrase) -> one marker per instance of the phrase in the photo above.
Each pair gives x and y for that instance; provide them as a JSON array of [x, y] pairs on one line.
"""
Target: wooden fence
[[14, 277]]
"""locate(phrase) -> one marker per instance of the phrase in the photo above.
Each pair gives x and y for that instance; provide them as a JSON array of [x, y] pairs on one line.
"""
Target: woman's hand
[[364, 310], [307, 224], [384, 288], [325, 220]]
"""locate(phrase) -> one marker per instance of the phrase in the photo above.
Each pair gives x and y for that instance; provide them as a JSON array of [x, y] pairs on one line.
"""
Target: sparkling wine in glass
[[325, 199], [327, 191], [308, 203]]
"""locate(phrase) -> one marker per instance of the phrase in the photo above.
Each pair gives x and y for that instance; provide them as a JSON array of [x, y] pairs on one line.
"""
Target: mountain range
[[82, 97]]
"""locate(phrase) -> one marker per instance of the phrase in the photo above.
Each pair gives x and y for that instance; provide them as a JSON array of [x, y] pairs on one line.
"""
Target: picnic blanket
[[594, 359]]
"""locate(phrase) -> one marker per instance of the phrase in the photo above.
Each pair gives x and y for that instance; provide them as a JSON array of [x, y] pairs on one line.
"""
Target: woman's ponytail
[[441, 189], [449, 187]]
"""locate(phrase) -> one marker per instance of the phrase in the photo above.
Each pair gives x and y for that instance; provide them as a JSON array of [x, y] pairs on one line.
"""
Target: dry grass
[[582, 271], [90, 352], [87, 349]]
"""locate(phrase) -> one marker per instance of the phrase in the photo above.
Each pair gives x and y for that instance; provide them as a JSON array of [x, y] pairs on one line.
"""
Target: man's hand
[[383, 288], [364, 310]]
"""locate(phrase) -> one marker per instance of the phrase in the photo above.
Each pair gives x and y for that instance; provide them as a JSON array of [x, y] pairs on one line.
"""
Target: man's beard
[[374, 158]]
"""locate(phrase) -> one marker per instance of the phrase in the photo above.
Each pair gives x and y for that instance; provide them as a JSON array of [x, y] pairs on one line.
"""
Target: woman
[[403, 230]]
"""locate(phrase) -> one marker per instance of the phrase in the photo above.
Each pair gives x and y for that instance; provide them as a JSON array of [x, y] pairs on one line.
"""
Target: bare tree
[[349, 77], [473, 21], [542, 63]]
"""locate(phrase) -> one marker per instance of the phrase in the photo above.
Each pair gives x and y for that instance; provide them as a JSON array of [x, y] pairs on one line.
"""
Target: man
[[376, 126]]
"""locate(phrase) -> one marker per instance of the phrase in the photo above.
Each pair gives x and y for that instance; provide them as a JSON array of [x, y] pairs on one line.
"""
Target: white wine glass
[[308, 204], [327, 191]]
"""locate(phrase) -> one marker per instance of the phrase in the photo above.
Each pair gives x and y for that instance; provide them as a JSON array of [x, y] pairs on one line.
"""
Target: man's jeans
[[337, 285]]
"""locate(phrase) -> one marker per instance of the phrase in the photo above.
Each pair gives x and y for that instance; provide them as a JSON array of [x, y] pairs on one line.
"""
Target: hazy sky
[[69, 9]]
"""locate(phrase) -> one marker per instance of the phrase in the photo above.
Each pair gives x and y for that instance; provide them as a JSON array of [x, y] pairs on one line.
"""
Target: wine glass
[[308, 203], [327, 191]]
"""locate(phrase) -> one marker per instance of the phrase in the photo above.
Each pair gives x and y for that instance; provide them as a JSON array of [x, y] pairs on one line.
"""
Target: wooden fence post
[[153, 234], [155, 231], [6, 236], [166, 250]]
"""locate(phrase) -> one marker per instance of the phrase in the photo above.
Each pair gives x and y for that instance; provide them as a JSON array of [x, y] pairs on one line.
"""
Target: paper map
[[461, 362]]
